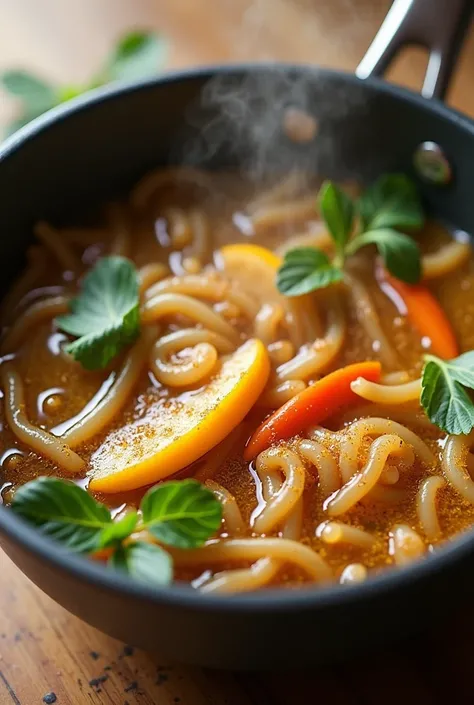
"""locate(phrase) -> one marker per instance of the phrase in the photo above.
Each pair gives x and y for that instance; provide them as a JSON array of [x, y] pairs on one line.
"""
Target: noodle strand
[[426, 506], [454, 464], [202, 347], [360, 484], [230, 550], [117, 395], [177, 304], [37, 313], [406, 545], [387, 394], [311, 360], [283, 502], [36, 438]]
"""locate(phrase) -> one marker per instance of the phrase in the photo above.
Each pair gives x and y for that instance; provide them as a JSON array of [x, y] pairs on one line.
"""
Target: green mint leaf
[[137, 55], [144, 562], [182, 513], [337, 210], [305, 269], [117, 531], [462, 369], [444, 398], [391, 202], [400, 253], [63, 511], [105, 316], [35, 94]]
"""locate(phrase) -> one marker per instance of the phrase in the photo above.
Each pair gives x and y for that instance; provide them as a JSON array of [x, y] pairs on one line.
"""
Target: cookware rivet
[[432, 164]]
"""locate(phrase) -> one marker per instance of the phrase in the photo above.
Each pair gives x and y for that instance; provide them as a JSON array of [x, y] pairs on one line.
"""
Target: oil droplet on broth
[[49, 401], [10, 460]]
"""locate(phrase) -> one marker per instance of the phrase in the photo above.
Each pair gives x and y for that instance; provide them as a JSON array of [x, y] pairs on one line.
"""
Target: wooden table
[[42, 648]]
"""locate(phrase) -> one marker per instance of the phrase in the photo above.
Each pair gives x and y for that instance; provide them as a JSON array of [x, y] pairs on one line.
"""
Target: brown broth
[[43, 368]]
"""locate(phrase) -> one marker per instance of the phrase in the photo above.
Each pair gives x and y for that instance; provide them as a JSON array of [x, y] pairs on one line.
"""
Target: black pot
[[97, 146]]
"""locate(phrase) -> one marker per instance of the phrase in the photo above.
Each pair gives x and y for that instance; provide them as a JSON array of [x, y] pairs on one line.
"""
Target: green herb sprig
[[137, 54], [105, 316], [389, 204], [182, 514], [445, 397]]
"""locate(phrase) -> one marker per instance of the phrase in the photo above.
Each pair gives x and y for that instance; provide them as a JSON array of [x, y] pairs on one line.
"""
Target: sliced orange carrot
[[311, 406], [175, 432], [427, 316]]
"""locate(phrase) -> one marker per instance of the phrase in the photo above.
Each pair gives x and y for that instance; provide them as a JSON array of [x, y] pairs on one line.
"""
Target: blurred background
[[65, 42]]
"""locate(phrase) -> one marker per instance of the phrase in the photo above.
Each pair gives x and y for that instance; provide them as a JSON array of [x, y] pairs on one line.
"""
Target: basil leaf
[[337, 210], [462, 369], [182, 513], [105, 315], [36, 95], [391, 202], [63, 511], [144, 562], [400, 253], [137, 55], [305, 269], [444, 398], [117, 531]]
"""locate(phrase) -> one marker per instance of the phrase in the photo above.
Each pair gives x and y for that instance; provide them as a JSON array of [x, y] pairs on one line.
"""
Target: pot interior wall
[[226, 117]]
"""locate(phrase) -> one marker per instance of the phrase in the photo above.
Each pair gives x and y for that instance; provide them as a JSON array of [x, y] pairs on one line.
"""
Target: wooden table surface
[[42, 648]]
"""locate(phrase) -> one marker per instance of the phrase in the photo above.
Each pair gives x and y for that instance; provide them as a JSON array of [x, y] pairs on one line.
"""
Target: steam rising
[[239, 119]]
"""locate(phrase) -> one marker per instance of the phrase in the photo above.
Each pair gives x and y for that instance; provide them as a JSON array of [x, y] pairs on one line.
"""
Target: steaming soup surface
[[188, 224]]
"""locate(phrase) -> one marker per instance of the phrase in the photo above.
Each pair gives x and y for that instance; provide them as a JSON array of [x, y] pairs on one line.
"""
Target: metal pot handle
[[438, 25]]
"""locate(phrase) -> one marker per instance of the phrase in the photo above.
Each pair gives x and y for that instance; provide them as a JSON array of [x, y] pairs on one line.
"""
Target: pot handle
[[438, 25]]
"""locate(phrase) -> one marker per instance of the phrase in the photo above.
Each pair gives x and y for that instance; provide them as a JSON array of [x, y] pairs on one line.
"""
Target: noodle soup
[[248, 341]]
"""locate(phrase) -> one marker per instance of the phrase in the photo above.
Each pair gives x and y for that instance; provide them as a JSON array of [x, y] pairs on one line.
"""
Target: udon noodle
[[377, 484]]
